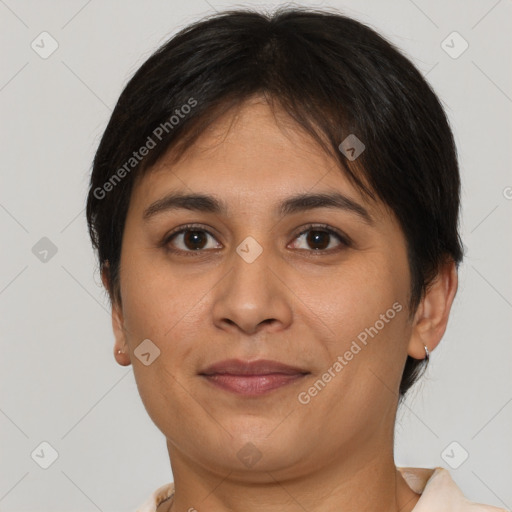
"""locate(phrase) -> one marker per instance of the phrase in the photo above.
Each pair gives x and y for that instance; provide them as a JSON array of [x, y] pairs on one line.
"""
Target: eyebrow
[[295, 204]]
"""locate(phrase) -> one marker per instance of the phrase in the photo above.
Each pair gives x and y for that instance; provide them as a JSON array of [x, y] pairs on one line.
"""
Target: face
[[319, 286]]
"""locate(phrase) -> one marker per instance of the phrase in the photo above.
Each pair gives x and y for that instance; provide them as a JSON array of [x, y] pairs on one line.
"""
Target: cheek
[[168, 307], [157, 307], [353, 297], [155, 297], [364, 307]]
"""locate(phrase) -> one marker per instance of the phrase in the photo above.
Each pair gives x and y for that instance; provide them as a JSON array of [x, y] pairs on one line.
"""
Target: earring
[[427, 353], [119, 351]]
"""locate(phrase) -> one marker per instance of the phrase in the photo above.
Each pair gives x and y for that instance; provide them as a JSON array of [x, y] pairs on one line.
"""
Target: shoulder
[[439, 492], [157, 497]]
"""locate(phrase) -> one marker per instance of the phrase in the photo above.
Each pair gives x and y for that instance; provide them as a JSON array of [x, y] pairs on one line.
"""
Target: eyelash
[[345, 240]]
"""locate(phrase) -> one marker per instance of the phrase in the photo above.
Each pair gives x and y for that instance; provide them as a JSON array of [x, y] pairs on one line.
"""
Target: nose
[[253, 296]]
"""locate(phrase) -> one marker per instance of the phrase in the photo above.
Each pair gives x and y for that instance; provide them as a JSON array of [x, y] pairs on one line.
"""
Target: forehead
[[251, 155]]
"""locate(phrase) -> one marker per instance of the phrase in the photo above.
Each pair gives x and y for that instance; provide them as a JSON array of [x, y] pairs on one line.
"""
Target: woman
[[275, 205]]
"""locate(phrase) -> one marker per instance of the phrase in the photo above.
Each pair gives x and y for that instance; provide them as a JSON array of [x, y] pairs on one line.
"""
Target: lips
[[251, 378], [259, 367]]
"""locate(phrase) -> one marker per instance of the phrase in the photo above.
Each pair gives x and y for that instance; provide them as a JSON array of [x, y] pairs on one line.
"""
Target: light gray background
[[59, 380]]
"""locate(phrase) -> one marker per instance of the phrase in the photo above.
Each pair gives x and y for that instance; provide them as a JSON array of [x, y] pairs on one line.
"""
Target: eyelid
[[329, 229], [304, 229], [188, 227], [181, 229]]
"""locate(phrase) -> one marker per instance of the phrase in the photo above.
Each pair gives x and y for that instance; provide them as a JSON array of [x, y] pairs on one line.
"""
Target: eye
[[320, 238], [195, 239], [190, 239]]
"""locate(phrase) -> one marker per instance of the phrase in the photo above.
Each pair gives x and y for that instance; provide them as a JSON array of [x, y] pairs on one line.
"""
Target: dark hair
[[335, 77]]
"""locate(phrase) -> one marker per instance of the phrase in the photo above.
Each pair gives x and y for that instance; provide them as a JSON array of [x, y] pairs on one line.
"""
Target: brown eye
[[194, 240], [190, 240], [317, 238]]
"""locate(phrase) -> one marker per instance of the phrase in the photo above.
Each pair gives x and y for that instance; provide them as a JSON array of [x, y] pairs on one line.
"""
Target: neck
[[356, 484]]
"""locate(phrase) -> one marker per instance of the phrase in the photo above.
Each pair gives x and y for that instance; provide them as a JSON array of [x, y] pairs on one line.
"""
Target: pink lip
[[251, 378]]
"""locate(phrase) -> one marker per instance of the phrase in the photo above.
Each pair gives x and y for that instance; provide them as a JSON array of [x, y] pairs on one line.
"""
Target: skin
[[292, 304]]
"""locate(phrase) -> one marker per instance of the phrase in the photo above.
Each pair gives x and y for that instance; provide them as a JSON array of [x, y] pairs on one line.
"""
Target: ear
[[121, 344], [431, 317]]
